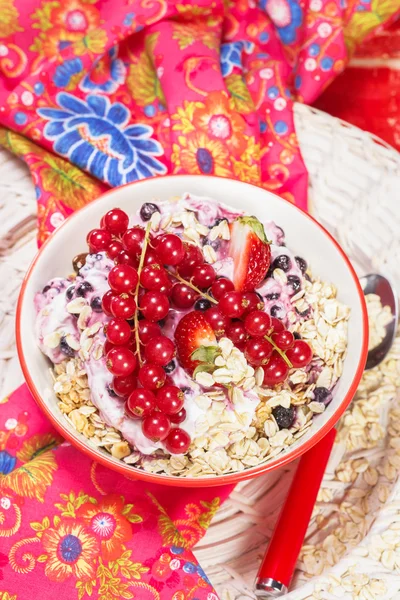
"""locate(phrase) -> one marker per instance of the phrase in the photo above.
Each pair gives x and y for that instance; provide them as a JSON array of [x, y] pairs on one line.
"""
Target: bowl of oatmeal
[[192, 330]]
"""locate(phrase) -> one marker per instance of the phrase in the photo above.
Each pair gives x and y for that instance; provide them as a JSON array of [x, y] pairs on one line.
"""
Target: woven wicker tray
[[353, 544]]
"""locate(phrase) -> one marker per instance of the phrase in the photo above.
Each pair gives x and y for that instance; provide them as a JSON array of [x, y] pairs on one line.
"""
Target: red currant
[[151, 258], [152, 377], [221, 286], [203, 276], [283, 339], [160, 350], [170, 249], [156, 426], [257, 351], [154, 306], [236, 332], [275, 371], [123, 386], [123, 278], [132, 240], [123, 258], [123, 306], [114, 249], [300, 355], [170, 399], [192, 257], [118, 332], [140, 403], [277, 325], [183, 296], [254, 300], [98, 240], [257, 323], [153, 277], [218, 321], [106, 302], [166, 287], [232, 304], [107, 347], [148, 330], [121, 361], [178, 417], [177, 441], [116, 221]]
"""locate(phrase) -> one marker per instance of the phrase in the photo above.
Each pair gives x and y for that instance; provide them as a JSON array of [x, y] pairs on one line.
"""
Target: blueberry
[[277, 311], [185, 390], [202, 304], [301, 263], [294, 283], [46, 289], [95, 304], [98, 256], [147, 211], [170, 367], [273, 296], [70, 292], [66, 348], [296, 335], [282, 262], [303, 313], [218, 221], [284, 417], [111, 391], [83, 288], [215, 244], [322, 394]]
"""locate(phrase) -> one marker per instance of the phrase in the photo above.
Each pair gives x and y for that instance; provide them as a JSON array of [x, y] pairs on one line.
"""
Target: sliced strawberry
[[192, 332], [250, 251]]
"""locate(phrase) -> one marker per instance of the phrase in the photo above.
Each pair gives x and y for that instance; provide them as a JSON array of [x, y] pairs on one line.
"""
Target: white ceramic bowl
[[303, 235]]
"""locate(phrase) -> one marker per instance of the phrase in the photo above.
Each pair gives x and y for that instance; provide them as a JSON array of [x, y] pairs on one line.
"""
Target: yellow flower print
[[183, 118], [8, 18], [36, 445], [188, 11], [7, 596], [94, 42], [363, 22], [187, 34], [142, 80], [239, 93], [32, 479], [199, 155]]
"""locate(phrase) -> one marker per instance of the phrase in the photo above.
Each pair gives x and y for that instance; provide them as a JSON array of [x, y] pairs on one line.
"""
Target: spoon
[[277, 567]]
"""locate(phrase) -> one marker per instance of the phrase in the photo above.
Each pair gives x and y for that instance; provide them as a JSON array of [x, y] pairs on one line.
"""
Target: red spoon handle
[[286, 541]]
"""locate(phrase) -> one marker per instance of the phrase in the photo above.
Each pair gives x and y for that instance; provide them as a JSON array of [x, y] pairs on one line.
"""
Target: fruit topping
[[250, 251]]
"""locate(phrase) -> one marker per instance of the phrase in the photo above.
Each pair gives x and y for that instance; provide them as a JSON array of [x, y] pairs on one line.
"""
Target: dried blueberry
[[273, 296], [322, 394], [147, 211], [170, 367], [95, 304], [66, 348], [301, 263], [111, 391], [45, 289], [215, 244], [185, 390], [282, 262], [294, 283], [70, 292], [202, 304], [277, 311], [296, 335], [218, 221], [284, 417], [83, 288]]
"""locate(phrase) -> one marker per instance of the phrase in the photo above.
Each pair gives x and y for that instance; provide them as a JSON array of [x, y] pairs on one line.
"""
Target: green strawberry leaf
[[203, 368], [205, 354], [256, 226]]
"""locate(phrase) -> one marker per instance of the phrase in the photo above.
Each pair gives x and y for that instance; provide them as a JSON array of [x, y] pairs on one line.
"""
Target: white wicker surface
[[354, 182]]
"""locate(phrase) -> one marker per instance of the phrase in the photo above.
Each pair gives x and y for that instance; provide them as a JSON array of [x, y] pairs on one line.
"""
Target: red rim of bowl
[[208, 481]]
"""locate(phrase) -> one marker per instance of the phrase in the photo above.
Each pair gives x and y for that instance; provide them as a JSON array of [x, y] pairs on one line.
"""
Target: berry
[[160, 350], [179, 417], [272, 296], [114, 249], [192, 331], [120, 361], [170, 367], [236, 332], [132, 240], [123, 278], [116, 221], [257, 351], [140, 403], [106, 302], [153, 277], [123, 258], [300, 355], [283, 339], [66, 348], [257, 323], [294, 283], [277, 325], [148, 330], [284, 417], [275, 371], [192, 257], [123, 386], [156, 426], [296, 335], [218, 321], [151, 258], [69, 293], [203, 276], [183, 296], [147, 211], [251, 253], [232, 304], [177, 441], [123, 306], [83, 288], [255, 302], [95, 304], [154, 306], [202, 304], [170, 399], [322, 394], [151, 377], [170, 249], [166, 288], [277, 311], [221, 286], [301, 263], [118, 332], [282, 262], [98, 240]]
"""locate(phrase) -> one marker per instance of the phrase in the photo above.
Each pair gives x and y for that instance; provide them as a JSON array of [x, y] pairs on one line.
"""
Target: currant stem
[[279, 351], [140, 267], [196, 289]]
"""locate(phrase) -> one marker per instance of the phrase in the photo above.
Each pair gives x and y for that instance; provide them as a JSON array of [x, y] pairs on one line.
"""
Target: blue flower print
[[287, 16], [106, 75], [95, 134], [7, 463], [231, 55], [64, 72]]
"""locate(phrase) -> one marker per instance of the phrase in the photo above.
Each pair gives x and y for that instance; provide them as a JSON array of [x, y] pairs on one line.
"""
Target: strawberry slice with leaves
[[193, 332], [250, 251]]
